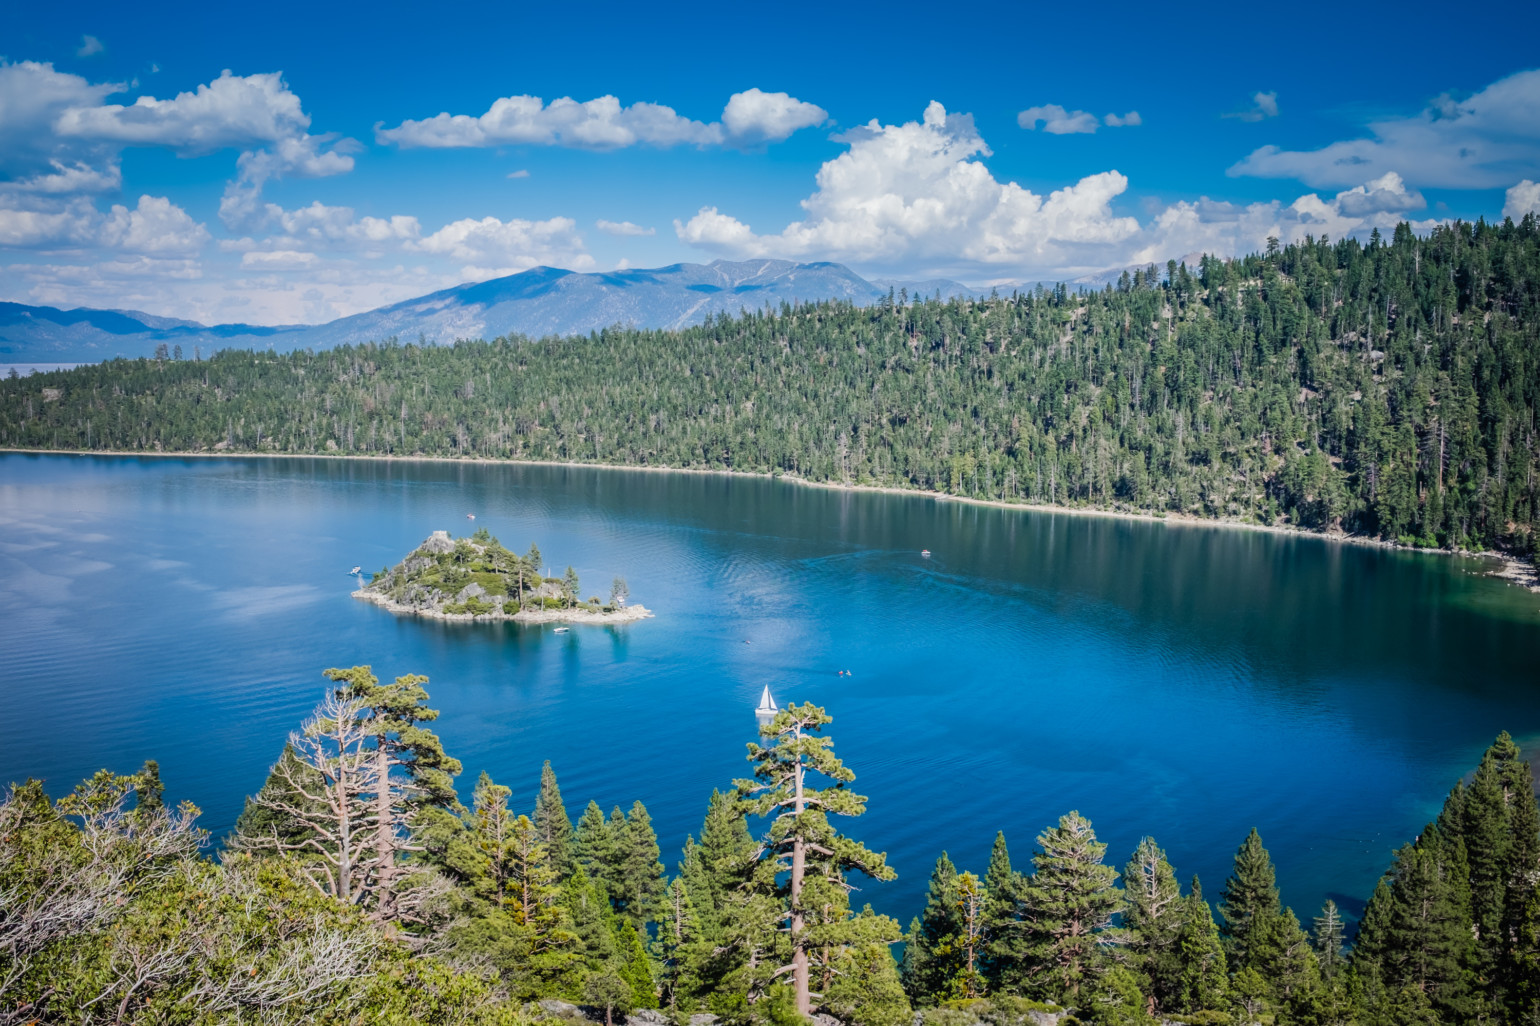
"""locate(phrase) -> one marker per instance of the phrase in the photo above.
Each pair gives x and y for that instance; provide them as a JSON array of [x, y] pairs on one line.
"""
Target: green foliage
[[802, 841], [1203, 977], [110, 913], [1069, 904], [1387, 388], [639, 881], [930, 953], [1249, 904], [1154, 919], [1005, 945], [551, 820]]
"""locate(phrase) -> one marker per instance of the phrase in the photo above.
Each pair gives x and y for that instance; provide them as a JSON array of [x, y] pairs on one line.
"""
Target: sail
[[766, 703]]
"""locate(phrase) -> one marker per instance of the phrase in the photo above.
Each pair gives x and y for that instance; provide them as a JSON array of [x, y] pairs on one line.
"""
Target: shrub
[[510, 607], [552, 603], [476, 607], [455, 608]]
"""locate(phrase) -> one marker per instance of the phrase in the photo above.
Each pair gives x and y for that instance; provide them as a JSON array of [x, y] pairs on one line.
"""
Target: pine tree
[[1070, 902], [681, 947], [1249, 905], [493, 831], [709, 933], [149, 789], [551, 819], [801, 838], [1005, 942], [593, 845], [541, 951], [1154, 919], [1417, 929], [720, 861], [1327, 938], [395, 713], [1203, 976], [635, 967], [865, 988], [640, 876], [1524, 999], [971, 898], [1518, 959], [930, 948], [592, 917]]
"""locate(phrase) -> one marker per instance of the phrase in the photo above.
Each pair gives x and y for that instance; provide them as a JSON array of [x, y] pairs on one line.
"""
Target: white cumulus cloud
[[1521, 199], [1476, 143], [89, 47], [604, 123], [757, 116], [156, 226], [232, 111], [490, 247], [1129, 120], [914, 194]]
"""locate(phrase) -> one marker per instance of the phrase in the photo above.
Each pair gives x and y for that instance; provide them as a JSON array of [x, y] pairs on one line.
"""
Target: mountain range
[[538, 302]]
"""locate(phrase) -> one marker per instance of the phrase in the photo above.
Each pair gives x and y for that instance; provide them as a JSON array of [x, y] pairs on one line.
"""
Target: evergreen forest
[[1385, 388], [357, 887]]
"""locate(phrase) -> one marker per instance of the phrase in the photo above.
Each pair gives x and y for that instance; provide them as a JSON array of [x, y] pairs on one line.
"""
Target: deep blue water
[[1178, 681]]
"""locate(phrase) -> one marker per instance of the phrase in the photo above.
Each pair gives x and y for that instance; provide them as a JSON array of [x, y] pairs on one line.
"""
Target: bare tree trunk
[[798, 868], [385, 835], [345, 848]]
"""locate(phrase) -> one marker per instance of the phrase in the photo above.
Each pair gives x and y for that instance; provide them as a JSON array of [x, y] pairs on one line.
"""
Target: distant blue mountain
[[44, 333], [538, 302]]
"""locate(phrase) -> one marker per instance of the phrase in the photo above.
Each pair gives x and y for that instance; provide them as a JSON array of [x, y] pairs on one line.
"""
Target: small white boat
[[563, 630], [925, 553], [767, 708], [356, 570], [470, 516]]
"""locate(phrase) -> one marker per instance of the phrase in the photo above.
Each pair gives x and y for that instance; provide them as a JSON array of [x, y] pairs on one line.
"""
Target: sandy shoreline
[[630, 614], [1513, 569]]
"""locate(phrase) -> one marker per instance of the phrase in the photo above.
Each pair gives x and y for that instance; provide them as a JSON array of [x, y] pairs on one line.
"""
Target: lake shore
[[630, 614], [1511, 568]]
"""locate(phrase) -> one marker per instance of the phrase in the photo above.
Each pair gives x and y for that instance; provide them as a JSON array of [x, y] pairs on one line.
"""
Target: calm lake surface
[[1177, 681]]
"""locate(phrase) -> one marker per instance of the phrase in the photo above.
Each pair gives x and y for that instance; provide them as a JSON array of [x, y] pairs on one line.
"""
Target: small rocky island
[[476, 578]]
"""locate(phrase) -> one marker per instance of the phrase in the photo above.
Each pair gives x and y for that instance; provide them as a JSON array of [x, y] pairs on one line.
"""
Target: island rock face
[[476, 578]]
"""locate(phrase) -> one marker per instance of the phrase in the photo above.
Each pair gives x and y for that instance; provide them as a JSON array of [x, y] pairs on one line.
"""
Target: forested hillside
[[1386, 389], [357, 889]]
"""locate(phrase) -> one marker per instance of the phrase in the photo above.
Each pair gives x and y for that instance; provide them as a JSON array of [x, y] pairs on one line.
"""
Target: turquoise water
[[1177, 681]]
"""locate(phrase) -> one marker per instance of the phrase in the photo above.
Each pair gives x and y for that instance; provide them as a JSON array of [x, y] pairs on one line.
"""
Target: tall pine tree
[[801, 840], [1154, 918], [1069, 906], [551, 819]]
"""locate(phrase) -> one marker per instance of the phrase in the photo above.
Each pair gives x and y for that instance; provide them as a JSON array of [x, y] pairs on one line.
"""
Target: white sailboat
[[767, 707]]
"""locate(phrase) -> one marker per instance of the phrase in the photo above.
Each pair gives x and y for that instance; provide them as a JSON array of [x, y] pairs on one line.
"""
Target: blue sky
[[289, 163]]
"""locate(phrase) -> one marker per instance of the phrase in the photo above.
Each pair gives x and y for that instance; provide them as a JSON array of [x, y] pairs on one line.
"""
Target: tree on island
[[801, 841], [619, 592], [569, 587]]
